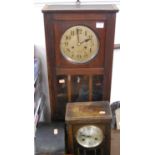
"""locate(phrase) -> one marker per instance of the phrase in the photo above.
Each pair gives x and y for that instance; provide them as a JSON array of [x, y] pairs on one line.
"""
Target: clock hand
[[86, 135], [86, 40], [77, 32]]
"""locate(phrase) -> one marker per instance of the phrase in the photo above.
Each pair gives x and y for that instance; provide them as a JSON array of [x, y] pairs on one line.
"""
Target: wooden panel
[[59, 29], [69, 87], [74, 17], [80, 71], [70, 138], [50, 55], [80, 112], [108, 58]]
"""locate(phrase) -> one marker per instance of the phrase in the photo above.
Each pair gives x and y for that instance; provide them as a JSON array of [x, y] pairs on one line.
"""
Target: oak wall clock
[[79, 49]]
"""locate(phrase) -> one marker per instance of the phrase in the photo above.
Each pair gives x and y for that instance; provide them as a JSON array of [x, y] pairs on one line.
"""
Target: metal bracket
[[78, 2]]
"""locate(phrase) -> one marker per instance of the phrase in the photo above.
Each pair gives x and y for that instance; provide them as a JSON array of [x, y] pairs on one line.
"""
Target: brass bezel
[[98, 129], [73, 60]]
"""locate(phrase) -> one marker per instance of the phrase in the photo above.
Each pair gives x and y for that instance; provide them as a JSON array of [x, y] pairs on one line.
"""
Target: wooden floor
[[115, 142]]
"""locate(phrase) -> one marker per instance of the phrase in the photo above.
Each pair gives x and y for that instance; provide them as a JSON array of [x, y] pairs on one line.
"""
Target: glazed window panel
[[62, 97], [97, 88], [80, 88], [61, 85]]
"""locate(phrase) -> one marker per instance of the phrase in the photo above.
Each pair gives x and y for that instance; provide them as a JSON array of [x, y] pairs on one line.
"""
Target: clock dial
[[79, 44], [89, 136]]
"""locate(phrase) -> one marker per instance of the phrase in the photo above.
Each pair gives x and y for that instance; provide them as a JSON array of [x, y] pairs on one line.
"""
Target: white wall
[[39, 42], [39, 48]]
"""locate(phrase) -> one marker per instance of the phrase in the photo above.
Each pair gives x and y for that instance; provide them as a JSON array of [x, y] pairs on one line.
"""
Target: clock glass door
[[77, 88]]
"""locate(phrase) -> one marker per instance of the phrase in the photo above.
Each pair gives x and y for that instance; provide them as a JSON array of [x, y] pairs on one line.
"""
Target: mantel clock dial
[[89, 136], [79, 44]]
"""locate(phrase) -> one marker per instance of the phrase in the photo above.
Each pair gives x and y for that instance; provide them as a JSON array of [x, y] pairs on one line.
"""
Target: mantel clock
[[79, 50], [88, 128]]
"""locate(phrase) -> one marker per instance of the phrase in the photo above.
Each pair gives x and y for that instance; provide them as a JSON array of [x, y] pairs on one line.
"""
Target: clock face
[[89, 136], [79, 44]]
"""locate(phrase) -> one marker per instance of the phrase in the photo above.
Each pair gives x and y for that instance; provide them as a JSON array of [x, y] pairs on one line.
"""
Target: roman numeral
[[72, 33]]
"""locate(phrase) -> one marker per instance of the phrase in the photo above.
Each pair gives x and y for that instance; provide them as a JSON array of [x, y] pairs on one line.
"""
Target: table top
[[85, 111]]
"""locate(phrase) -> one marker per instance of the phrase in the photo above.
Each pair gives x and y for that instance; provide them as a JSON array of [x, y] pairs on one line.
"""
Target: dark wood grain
[[69, 87], [50, 55], [85, 111], [79, 71], [108, 57], [59, 29]]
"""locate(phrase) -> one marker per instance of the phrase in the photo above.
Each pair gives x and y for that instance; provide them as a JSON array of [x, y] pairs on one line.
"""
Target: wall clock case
[[79, 49]]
